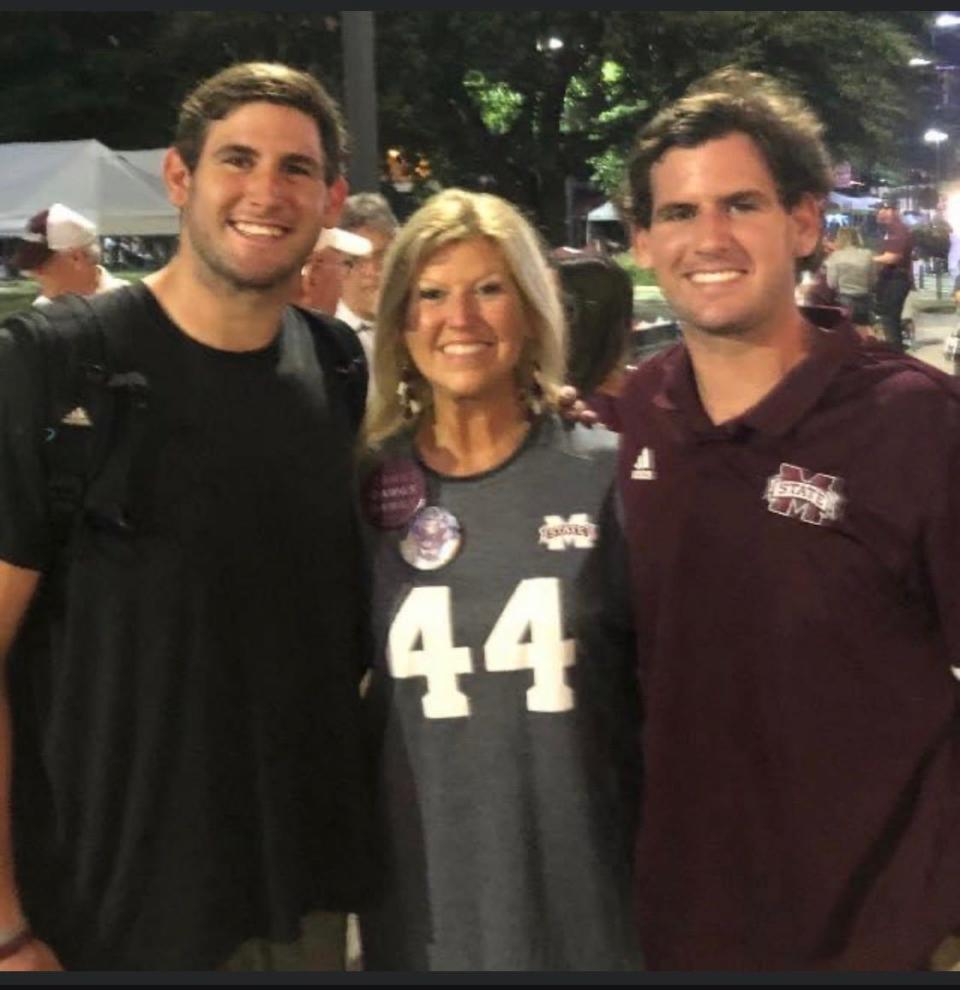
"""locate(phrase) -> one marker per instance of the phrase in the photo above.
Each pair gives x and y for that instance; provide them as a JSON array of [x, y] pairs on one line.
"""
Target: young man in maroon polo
[[791, 502]]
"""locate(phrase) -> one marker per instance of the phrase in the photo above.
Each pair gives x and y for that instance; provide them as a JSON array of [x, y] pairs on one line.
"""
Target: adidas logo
[[643, 469], [77, 417]]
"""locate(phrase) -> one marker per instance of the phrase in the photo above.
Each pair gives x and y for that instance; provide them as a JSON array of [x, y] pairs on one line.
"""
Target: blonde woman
[[851, 273], [505, 748]]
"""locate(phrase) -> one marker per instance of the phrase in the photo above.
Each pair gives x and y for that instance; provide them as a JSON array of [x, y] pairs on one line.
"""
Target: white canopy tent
[[606, 211], [604, 223], [149, 161], [89, 178]]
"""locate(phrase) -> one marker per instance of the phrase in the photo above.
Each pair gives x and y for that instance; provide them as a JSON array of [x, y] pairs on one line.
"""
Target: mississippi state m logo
[[811, 498], [578, 531]]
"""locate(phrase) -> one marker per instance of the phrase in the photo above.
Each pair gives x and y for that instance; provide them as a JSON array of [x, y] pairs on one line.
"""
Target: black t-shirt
[[188, 768]]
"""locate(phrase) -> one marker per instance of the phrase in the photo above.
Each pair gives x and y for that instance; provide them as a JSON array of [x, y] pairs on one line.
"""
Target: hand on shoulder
[[573, 409]]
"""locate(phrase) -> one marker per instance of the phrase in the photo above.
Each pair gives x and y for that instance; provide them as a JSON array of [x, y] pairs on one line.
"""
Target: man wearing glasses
[[368, 215]]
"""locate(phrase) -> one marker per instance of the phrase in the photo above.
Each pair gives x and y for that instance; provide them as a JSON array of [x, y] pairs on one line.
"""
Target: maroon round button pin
[[393, 493]]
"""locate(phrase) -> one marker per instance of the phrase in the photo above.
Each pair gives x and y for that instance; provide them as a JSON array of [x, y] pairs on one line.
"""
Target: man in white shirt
[[59, 249], [370, 216]]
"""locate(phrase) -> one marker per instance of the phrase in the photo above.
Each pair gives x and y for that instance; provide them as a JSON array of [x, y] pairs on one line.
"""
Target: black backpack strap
[[109, 479], [95, 408], [341, 354], [76, 407]]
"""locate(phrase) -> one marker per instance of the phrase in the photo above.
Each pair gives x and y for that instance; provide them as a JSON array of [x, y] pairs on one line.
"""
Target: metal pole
[[360, 98], [936, 210]]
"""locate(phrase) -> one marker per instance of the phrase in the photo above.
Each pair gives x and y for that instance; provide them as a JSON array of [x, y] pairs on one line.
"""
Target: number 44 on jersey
[[421, 645]]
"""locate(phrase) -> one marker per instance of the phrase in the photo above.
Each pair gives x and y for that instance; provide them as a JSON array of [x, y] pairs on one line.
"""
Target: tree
[[120, 76], [517, 101], [485, 94], [76, 75], [492, 98]]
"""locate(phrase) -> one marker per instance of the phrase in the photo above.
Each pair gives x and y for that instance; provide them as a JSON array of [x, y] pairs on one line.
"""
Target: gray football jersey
[[506, 757]]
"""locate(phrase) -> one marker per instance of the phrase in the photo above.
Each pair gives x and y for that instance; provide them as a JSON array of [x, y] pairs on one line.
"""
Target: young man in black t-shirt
[[182, 694], [791, 503]]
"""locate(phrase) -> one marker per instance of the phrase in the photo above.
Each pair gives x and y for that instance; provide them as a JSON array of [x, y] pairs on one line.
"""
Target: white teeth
[[257, 230], [728, 276], [463, 349]]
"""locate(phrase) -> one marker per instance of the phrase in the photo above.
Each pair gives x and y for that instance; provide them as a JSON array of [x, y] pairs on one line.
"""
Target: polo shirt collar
[[834, 343]]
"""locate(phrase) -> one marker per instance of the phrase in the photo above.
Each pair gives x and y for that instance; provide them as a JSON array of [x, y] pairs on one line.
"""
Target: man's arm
[[942, 536], [887, 258], [942, 559], [17, 586], [602, 622], [831, 273], [24, 546]]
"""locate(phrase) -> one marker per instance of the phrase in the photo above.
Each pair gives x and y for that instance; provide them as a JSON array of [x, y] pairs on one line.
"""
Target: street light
[[947, 20], [551, 44], [936, 138]]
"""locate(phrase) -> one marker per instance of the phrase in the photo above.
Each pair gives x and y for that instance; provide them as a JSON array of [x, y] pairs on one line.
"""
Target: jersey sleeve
[[25, 538]]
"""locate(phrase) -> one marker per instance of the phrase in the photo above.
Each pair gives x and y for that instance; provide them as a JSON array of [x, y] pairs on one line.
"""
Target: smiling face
[[466, 323], [253, 206], [723, 246]]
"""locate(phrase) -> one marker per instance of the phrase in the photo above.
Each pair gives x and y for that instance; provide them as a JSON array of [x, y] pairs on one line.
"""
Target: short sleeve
[[25, 538]]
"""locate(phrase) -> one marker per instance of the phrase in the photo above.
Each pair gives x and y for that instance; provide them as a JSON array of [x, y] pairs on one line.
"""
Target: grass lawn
[[639, 276]]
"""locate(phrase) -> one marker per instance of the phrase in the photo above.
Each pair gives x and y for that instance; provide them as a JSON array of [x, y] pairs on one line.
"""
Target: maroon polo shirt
[[796, 580]]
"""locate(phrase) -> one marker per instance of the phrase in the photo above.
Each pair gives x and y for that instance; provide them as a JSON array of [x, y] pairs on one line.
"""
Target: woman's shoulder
[[590, 442]]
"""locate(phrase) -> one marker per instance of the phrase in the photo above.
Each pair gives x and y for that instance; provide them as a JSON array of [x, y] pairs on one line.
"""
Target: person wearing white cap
[[59, 249], [322, 275], [370, 216]]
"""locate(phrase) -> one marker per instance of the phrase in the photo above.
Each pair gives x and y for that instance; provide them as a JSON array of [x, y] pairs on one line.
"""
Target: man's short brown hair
[[251, 82], [731, 100]]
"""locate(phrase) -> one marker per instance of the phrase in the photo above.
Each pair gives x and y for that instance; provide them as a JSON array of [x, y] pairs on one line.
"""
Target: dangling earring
[[408, 403], [532, 393]]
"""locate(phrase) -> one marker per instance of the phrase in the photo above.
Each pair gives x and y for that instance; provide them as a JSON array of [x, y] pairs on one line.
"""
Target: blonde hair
[[449, 217], [848, 237]]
